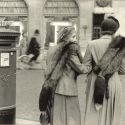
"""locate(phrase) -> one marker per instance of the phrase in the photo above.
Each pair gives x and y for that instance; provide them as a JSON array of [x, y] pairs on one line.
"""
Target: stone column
[[34, 17]]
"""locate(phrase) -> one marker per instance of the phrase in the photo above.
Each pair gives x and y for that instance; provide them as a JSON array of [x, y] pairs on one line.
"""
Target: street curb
[[26, 122]]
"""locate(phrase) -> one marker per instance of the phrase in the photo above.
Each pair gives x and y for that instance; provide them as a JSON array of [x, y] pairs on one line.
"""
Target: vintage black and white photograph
[[62, 62]]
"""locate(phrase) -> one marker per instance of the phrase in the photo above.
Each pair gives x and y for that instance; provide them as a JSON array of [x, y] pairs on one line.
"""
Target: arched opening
[[14, 13], [58, 14]]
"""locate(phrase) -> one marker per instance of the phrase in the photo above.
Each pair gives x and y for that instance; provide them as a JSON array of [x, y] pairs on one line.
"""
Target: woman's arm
[[86, 67], [122, 67]]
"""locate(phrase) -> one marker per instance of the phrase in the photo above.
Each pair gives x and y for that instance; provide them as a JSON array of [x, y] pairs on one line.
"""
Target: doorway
[[97, 20]]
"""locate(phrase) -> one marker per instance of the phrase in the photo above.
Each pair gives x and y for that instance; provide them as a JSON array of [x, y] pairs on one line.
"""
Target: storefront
[[58, 14], [14, 14], [50, 15]]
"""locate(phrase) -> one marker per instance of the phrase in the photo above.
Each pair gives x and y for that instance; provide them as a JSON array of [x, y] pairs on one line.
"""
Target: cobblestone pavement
[[29, 84]]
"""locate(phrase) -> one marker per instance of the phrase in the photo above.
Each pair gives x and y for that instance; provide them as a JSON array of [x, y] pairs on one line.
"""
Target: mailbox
[[8, 39]]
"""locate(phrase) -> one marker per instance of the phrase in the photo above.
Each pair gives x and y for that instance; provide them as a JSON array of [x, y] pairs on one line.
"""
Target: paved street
[[29, 84]]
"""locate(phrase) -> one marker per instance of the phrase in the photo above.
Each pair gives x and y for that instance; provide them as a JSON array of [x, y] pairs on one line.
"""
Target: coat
[[110, 112], [67, 83], [34, 47], [60, 74]]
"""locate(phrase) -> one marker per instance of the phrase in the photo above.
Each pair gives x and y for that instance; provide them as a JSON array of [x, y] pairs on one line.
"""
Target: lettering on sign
[[5, 23]]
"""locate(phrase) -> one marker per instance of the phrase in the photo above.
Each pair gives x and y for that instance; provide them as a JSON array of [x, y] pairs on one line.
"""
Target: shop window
[[49, 34], [96, 32]]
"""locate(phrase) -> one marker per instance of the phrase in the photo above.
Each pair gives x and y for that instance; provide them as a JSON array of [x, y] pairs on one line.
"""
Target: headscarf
[[64, 33], [110, 25], [62, 43]]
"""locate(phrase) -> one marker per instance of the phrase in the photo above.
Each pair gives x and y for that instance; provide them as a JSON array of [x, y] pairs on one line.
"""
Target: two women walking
[[103, 62]]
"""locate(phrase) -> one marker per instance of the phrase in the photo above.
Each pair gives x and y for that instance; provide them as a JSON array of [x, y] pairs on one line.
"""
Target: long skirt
[[109, 114], [66, 110]]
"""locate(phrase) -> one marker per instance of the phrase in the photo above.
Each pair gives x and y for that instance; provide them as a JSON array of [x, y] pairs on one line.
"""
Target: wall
[[119, 7], [34, 15], [85, 21]]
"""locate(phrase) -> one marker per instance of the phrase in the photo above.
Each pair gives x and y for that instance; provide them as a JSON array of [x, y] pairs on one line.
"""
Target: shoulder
[[74, 46], [94, 42]]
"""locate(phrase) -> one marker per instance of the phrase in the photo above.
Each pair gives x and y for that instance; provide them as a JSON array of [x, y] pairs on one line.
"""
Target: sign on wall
[[103, 3], [5, 23]]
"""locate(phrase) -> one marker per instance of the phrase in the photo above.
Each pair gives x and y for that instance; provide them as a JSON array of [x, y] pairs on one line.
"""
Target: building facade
[[50, 15]]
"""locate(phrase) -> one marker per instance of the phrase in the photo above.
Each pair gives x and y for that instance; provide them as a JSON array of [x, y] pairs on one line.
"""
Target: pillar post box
[[8, 39]]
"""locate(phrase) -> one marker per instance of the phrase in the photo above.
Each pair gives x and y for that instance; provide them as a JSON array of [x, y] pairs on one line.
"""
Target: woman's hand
[[43, 113]]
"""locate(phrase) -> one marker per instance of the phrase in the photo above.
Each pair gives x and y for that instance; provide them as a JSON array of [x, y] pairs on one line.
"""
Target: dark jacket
[[34, 47]]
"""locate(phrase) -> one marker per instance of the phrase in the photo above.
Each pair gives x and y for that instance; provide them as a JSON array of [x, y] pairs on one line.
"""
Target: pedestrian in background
[[63, 67], [34, 46], [23, 44], [103, 106]]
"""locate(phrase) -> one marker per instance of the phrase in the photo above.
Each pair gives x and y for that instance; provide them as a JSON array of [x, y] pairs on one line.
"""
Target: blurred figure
[[23, 44], [34, 46], [37, 36]]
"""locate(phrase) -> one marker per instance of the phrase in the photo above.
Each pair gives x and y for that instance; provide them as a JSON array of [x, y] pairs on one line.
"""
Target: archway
[[14, 13], [58, 14]]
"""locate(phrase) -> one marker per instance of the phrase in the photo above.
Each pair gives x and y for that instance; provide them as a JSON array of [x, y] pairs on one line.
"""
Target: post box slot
[[5, 44]]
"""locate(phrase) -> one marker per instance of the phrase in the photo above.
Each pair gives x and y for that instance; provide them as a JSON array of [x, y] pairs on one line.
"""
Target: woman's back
[[98, 47]]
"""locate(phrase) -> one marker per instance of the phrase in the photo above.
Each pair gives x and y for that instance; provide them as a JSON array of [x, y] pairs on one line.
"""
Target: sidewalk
[[26, 122], [28, 87]]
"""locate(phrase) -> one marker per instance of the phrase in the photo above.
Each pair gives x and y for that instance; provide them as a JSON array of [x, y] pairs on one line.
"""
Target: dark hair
[[109, 25], [113, 18], [36, 31], [64, 33]]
